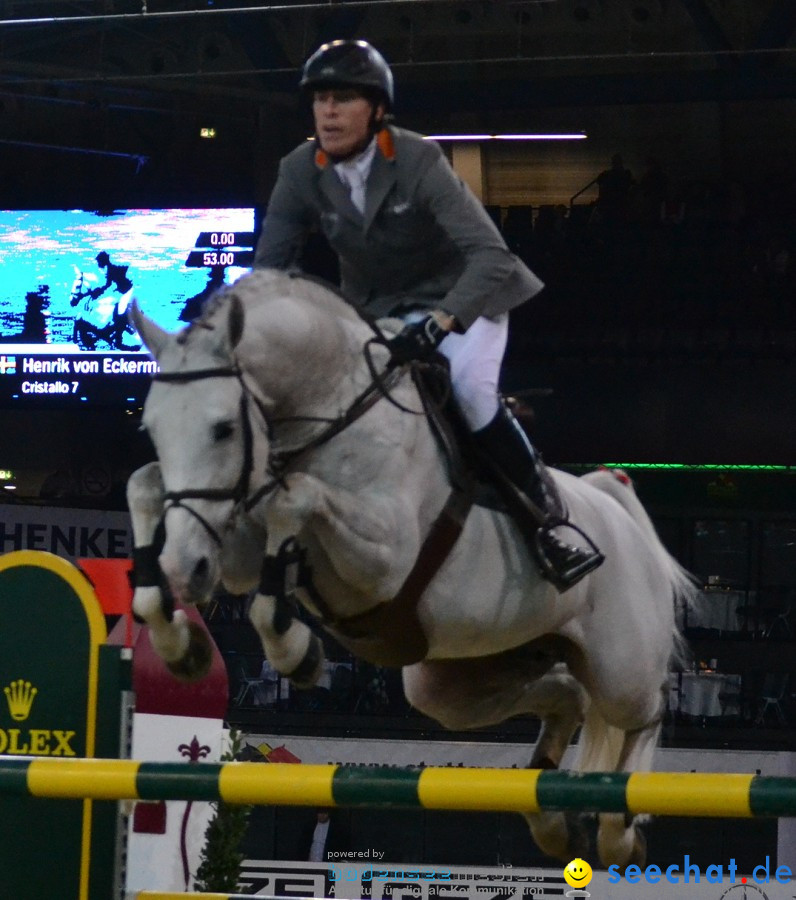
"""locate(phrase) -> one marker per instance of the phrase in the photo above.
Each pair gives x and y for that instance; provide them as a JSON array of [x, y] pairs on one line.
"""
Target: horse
[[282, 431]]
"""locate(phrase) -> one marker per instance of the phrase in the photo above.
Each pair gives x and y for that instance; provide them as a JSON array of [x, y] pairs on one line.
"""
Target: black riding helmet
[[349, 64]]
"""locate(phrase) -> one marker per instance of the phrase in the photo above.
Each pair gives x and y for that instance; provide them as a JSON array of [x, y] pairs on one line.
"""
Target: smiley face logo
[[578, 873]]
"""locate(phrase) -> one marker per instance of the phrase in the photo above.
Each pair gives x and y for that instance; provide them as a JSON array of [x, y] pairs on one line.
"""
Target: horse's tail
[[618, 485]]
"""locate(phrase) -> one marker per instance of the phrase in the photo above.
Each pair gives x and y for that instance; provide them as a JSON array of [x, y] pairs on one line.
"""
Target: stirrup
[[583, 560]]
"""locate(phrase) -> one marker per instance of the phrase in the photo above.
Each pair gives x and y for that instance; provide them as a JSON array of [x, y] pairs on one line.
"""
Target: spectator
[[326, 837], [614, 186]]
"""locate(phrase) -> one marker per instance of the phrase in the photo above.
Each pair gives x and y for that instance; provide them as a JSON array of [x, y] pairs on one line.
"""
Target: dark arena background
[[665, 339]]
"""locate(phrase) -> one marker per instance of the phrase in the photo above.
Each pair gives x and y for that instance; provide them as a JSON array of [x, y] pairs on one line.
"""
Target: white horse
[[262, 435]]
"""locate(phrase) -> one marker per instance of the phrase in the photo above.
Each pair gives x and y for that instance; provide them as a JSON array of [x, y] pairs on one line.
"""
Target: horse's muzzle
[[190, 581]]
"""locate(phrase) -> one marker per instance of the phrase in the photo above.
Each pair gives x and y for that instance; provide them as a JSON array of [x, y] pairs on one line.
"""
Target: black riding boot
[[510, 454]]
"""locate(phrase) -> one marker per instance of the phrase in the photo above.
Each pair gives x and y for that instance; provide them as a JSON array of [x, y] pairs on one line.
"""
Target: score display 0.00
[[225, 248]]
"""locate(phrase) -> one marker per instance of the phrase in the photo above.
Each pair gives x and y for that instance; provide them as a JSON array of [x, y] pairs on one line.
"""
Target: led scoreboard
[[223, 248], [69, 277]]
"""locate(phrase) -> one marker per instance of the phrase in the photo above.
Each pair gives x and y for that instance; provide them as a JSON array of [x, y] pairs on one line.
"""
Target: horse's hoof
[[581, 838], [308, 671], [550, 832], [542, 762], [638, 856], [198, 658]]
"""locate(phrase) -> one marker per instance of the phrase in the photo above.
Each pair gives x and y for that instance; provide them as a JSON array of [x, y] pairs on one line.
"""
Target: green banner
[[51, 629]]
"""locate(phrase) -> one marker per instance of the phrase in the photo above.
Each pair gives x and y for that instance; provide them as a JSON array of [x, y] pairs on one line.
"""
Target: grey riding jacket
[[424, 241]]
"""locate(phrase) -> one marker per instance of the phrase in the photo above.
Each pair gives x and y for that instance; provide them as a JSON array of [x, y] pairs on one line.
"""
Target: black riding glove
[[417, 341]]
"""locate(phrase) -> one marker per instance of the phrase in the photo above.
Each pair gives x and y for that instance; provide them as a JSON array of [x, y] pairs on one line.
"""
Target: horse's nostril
[[200, 569]]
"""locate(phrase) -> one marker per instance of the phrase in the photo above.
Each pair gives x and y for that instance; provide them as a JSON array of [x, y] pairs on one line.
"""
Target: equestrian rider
[[415, 243]]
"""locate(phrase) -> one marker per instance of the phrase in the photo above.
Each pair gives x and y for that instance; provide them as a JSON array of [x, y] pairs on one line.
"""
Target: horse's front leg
[[288, 643], [362, 549], [183, 646], [371, 541]]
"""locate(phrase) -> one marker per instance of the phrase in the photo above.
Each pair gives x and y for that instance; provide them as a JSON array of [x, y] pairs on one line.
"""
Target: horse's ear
[[235, 322], [151, 334]]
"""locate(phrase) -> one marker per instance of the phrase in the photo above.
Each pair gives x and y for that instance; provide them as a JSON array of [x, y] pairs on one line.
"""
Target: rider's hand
[[419, 340]]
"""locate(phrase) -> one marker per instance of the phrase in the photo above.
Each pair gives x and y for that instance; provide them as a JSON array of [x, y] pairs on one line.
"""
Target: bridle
[[240, 490], [239, 494]]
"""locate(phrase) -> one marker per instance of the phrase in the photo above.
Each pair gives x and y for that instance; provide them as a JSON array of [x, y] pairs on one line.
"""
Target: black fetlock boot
[[509, 453]]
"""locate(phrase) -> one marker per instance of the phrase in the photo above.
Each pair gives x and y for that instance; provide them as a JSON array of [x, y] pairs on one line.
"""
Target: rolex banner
[[51, 629]]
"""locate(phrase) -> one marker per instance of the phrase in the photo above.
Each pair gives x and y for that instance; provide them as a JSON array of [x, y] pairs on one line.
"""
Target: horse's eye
[[222, 430]]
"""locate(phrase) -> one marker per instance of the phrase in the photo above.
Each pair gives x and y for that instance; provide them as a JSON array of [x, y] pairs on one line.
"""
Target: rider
[[414, 242], [116, 277]]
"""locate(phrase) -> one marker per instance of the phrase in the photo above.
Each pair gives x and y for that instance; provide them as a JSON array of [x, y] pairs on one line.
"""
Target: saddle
[[468, 470]]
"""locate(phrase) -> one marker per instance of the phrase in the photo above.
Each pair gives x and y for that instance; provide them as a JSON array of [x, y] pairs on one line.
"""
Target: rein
[[370, 634], [278, 462], [379, 387]]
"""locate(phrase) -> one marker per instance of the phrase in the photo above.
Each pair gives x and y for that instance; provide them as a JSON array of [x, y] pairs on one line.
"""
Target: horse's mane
[[263, 285]]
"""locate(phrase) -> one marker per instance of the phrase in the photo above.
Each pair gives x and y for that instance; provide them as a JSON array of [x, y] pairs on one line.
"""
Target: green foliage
[[221, 858]]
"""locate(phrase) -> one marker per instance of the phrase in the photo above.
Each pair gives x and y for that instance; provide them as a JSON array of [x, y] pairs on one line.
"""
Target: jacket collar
[[385, 145], [380, 181], [382, 175]]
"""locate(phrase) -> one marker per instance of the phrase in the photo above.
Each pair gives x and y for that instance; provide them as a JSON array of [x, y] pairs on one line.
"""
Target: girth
[[391, 634]]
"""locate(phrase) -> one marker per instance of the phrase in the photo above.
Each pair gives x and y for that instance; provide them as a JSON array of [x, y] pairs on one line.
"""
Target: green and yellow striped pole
[[488, 790]]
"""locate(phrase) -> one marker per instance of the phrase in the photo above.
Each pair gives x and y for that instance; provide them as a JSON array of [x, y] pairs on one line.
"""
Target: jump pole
[[485, 790]]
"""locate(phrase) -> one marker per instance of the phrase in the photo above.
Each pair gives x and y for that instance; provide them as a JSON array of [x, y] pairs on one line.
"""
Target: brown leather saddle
[[468, 469]]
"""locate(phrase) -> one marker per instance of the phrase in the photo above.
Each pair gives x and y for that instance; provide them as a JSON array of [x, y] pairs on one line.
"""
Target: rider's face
[[342, 120]]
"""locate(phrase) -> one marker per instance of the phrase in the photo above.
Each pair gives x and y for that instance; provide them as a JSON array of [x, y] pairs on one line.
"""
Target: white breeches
[[475, 359]]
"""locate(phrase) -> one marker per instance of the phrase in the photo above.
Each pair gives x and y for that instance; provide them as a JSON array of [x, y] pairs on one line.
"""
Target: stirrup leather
[[584, 559]]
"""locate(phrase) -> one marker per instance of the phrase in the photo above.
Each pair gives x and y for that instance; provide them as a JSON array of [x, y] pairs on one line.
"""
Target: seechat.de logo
[[20, 695], [577, 875]]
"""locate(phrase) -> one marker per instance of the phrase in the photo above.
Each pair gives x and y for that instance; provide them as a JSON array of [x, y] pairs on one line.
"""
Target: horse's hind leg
[[561, 713], [182, 645], [472, 693], [558, 834], [620, 841]]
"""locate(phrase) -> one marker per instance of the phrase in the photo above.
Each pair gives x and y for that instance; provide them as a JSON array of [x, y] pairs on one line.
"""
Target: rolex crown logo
[[20, 695]]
